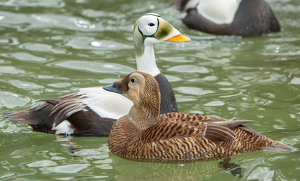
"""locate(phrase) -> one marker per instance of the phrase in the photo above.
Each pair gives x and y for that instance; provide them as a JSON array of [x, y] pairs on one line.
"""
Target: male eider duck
[[229, 17], [92, 111], [145, 134]]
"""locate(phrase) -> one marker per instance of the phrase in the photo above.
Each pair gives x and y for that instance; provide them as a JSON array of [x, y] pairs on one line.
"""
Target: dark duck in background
[[228, 17]]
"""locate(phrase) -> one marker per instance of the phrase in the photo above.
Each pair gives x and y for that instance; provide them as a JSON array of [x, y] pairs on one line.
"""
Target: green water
[[52, 48]]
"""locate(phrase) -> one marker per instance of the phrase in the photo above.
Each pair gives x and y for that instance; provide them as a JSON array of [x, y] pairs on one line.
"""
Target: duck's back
[[183, 136], [254, 17], [251, 17], [128, 142]]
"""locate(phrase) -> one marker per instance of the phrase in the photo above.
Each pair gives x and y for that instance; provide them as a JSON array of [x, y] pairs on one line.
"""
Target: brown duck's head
[[141, 88]]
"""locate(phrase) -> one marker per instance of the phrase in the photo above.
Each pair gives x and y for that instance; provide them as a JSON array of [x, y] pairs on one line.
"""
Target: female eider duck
[[92, 111], [229, 17], [145, 135]]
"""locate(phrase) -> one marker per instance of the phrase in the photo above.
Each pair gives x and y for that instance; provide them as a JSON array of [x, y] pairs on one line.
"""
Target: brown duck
[[145, 134]]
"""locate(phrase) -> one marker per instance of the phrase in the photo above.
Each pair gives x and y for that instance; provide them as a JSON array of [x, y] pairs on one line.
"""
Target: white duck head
[[148, 30]]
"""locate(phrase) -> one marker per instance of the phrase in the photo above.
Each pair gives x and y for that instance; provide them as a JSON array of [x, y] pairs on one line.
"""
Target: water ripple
[[52, 48], [96, 67]]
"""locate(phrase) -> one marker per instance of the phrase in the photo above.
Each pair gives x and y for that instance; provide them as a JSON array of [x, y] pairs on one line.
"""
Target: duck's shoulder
[[122, 129], [188, 117], [123, 125]]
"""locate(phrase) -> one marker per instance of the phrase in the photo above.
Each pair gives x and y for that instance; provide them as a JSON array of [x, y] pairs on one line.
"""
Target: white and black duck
[[92, 111]]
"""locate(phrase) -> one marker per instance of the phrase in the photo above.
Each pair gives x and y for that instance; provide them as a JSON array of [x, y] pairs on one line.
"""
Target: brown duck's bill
[[112, 88], [179, 38]]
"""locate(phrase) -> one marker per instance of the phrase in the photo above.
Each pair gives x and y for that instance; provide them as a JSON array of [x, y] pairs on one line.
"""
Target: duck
[[228, 17], [92, 111], [145, 135]]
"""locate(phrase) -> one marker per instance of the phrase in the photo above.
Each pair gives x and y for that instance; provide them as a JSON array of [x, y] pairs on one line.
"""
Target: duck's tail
[[19, 117], [37, 118], [278, 146]]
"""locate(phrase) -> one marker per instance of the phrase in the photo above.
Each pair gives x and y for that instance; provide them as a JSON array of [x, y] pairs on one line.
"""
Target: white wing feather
[[104, 103]]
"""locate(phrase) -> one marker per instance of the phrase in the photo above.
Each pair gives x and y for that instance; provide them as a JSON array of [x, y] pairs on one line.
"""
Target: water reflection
[[132, 170]]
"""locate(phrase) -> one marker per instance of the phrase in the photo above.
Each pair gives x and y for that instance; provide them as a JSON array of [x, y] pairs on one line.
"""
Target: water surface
[[52, 48]]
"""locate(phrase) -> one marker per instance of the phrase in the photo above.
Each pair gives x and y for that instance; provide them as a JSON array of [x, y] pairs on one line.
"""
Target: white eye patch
[[148, 25]]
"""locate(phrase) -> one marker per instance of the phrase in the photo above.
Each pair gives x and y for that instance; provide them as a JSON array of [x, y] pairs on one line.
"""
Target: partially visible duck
[[92, 111], [146, 134], [229, 17]]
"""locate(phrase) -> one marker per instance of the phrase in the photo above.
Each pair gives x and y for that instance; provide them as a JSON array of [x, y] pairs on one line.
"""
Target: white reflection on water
[[84, 24]]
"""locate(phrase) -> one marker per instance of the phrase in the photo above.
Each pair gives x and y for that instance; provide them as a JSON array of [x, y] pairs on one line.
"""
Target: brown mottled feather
[[248, 141], [172, 129], [133, 144], [178, 140]]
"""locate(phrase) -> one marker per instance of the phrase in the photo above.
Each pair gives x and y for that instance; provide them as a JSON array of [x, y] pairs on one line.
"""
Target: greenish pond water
[[49, 48]]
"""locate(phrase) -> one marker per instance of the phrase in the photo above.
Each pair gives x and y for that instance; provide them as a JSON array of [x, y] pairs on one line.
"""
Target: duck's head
[[141, 88], [150, 29]]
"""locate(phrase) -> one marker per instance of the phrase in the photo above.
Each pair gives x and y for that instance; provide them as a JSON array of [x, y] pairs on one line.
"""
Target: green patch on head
[[138, 40], [164, 29]]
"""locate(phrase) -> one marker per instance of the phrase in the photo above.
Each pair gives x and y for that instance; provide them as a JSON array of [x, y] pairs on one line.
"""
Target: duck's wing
[[215, 125], [103, 103], [187, 117], [173, 129], [63, 107], [247, 139]]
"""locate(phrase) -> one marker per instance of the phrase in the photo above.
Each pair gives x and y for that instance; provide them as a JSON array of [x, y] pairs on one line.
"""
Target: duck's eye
[[133, 80], [151, 24]]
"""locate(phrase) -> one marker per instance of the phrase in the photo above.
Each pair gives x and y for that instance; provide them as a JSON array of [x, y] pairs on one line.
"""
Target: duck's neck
[[143, 118], [146, 62]]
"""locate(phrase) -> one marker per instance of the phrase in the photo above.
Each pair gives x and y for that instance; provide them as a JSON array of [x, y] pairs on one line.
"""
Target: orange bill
[[179, 38]]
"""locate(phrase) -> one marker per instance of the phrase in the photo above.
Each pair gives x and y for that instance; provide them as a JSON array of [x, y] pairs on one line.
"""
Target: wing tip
[[279, 146], [16, 117]]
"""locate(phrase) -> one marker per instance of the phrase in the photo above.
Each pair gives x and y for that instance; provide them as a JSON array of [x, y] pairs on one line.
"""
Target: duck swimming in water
[[229, 17], [92, 111], [147, 135]]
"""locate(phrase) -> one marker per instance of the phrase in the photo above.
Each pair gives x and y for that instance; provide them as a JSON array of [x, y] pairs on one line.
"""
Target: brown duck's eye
[[133, 80]]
